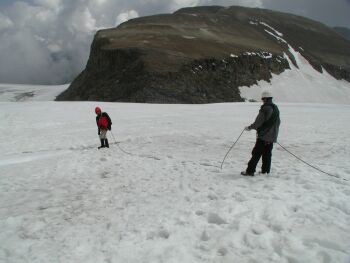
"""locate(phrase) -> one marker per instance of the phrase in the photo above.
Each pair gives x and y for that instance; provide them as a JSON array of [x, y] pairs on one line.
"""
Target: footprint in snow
[[104, 175], [199, 213], [205, 236], [222, 251], [215, 219], [161, 233], [210, 165], [212, 197]]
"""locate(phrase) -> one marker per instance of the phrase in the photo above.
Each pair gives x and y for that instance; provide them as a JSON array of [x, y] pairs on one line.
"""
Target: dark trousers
[[261, 149]]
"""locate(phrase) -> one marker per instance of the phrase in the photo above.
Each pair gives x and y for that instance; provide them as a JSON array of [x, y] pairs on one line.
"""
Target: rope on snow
[[233, 145], [312, 166], [142, 156]]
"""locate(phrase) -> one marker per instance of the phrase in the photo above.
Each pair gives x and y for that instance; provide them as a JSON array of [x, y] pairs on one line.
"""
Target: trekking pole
[[232, 147]]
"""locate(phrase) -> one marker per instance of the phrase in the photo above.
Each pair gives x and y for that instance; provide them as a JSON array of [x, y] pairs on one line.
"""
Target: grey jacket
[[267, 129]]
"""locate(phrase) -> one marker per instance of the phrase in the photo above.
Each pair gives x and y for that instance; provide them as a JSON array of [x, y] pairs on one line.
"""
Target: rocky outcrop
[[202, 55], [199, 81]]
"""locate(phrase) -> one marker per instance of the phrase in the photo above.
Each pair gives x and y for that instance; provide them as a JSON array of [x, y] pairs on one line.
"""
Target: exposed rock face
[[202, 55]]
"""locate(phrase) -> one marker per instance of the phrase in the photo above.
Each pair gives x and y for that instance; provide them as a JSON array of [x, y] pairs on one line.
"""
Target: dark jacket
[[267, 122], [104, 114]]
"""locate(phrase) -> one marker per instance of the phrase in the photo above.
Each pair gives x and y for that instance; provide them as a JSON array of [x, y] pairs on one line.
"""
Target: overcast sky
[[48, 41]]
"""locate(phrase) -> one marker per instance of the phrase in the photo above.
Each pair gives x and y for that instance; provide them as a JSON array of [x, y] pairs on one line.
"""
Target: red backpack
[[102, 123]]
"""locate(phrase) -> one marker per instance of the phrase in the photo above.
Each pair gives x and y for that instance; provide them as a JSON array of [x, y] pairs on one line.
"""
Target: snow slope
[[62, 200], [301, 84]]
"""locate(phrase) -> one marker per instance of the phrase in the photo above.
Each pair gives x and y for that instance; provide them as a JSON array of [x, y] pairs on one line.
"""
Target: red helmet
[[97, 110]]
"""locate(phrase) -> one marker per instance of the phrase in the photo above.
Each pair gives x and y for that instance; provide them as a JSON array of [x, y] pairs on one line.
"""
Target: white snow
[[189, 37], [249, 53], [300, 84], [265, 55], [273, 29], [14, 92], [253, 23], [303, 84], [62, 200], [277, 37]]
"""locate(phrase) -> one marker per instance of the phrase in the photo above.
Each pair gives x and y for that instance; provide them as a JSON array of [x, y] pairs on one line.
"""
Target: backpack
[[102, 122], [267, 125]]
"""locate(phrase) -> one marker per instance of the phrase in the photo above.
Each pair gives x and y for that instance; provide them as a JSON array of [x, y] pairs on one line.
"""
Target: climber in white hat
[[267, 126]]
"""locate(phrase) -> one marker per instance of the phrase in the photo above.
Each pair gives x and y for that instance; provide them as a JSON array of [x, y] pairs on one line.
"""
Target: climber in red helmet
[[104, 123]]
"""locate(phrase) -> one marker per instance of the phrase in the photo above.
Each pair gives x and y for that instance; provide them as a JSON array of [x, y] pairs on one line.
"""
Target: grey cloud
[[48, 41], [329, 12]]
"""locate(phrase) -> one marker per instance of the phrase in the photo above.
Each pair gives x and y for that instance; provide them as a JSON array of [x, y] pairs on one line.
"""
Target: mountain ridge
[[202, 55], [344, 31]]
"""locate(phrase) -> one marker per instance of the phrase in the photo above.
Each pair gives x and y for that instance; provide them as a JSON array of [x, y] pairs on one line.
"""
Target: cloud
[[81, 21], [52, 4], [29, 63], [5, 22], [127, 15], [48, 41], [332, 13], [176, 4]]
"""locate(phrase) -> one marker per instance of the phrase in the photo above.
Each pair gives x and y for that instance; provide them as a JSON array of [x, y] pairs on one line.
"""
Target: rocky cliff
[[202, 55]]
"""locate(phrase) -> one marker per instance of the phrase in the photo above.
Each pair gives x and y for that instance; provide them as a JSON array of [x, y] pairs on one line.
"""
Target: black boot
[[245, 173], [102, 144], [106, 143]]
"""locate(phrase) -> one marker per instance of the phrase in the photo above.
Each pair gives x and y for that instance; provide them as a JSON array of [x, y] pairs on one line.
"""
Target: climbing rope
[[233, 145], [231, 148], [142, 156], [312, 166], [120, 148]]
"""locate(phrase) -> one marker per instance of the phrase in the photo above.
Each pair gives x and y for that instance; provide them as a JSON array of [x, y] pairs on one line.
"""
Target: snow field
[[62, 200], [19, 92]]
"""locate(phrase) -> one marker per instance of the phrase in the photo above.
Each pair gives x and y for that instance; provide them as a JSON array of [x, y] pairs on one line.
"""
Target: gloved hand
[[247, 128]]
